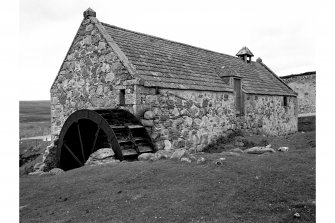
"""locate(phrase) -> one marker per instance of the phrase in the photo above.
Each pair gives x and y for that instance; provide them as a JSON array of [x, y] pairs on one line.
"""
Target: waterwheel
[[86, 131]]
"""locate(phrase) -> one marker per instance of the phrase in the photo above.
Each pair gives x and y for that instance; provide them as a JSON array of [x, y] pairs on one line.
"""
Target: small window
[[285, 101], [122, 96], [156, 90]]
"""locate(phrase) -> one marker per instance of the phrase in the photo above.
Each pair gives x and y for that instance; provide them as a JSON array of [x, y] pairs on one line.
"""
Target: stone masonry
[[95, 72], [305, 85], [91, 77]]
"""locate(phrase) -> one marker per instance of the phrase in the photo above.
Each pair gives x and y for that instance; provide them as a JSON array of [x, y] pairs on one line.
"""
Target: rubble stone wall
[[187, 118], [271, 114], [305, 86], [192, 119], [91, 77]]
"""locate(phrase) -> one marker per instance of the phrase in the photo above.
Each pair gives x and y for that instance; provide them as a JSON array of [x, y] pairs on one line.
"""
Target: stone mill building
[[193, 95]]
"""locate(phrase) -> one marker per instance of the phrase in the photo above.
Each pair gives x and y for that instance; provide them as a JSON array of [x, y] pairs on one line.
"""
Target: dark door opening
[[238, 97]]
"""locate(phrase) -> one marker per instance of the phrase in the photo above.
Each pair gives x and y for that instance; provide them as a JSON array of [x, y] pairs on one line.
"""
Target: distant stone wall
[[304, 84]]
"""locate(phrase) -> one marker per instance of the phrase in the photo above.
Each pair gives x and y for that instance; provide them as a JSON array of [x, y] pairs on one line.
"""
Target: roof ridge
[[172, 41]]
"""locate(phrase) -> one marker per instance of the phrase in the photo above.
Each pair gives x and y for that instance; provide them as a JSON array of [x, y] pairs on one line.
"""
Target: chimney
[[89, 12], [245, 54]]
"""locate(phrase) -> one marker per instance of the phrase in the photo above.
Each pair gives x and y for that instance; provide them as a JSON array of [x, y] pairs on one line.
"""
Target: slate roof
[[164, 63]]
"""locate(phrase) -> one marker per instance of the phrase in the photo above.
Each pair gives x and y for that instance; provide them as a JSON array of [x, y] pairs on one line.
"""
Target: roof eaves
[[266, 67], [149, 83]]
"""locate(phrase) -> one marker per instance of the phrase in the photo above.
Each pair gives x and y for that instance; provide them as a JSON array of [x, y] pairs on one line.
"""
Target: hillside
[[34, 111], [34, 117], [247, 188]]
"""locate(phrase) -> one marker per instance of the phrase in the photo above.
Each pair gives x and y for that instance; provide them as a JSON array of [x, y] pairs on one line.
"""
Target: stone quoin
[[185, 96]]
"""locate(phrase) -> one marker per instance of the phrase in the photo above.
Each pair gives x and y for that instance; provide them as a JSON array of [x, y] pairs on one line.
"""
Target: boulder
[[101, 162], [37, 172], [201, 160], [101, 156], [283, 149], [185, 159], [192, 157], [178, 154], [56, 171], [230, 153], [154, 158], [147, 123], [145, 156], [236, 150], [167, 145], [163, 154], [259, 150], [149, 115]]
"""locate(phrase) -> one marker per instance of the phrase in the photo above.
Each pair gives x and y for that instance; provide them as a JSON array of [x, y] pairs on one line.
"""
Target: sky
[[282, 33]]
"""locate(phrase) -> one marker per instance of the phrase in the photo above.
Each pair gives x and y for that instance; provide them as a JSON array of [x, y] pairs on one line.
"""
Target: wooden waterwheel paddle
[[86, 131]]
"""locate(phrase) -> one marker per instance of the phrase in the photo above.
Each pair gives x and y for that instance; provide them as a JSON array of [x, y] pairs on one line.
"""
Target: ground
[[34, 121], [248, 188]]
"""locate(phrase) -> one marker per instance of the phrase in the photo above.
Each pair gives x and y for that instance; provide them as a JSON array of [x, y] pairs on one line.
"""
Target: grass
[[229, 142], [34, 121], [247, 188], [34, 118], [34, 111], [30, 129]]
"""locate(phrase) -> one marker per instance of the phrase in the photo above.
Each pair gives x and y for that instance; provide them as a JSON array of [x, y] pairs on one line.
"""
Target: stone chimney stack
[[245, 54], [89, 12]]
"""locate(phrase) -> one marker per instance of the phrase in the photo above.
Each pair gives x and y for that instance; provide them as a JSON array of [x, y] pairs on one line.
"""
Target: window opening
[[285, 101], [122, 96]]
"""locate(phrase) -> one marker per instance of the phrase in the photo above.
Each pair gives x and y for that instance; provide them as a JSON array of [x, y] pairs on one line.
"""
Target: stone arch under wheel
[[86, 131]]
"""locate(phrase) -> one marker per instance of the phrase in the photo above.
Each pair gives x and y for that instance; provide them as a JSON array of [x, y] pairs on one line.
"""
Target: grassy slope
[[34, 118], [249, 188], [34, 111]]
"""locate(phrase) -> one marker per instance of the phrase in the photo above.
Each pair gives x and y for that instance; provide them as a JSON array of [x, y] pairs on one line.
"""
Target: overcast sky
[[280, 32]]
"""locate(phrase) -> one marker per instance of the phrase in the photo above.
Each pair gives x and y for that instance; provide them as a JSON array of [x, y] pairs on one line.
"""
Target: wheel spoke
[[95, 139], [74, 156], [81, 142]]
